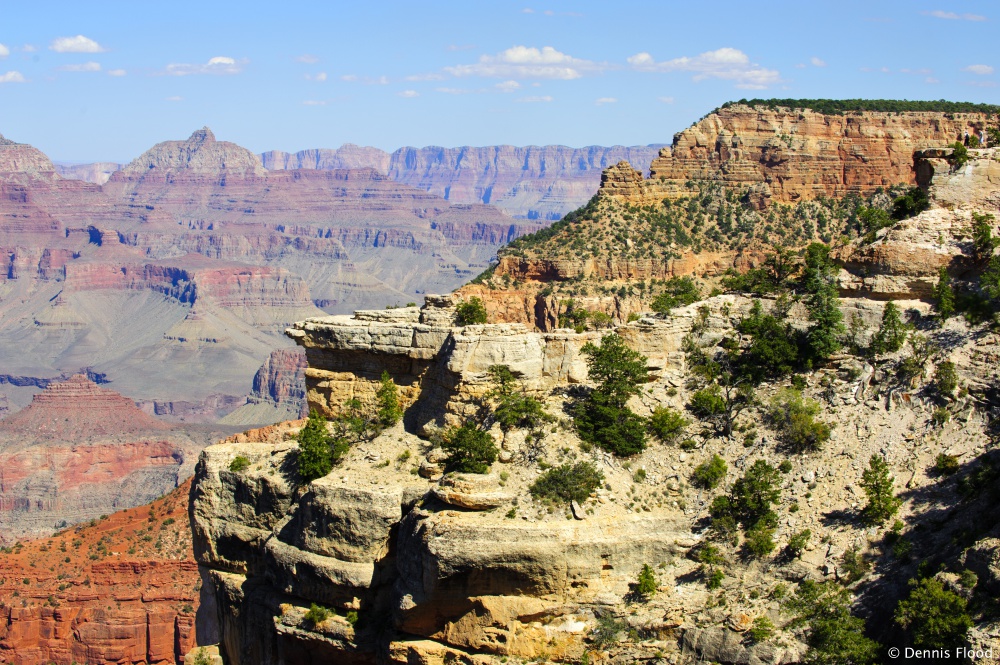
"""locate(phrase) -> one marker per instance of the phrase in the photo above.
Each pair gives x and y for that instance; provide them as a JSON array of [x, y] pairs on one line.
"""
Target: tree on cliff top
[[471, 312], [317, 449], [387, 396], [603, 418]]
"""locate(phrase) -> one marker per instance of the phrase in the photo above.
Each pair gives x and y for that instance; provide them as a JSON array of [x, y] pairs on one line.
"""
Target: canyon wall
[[784, 155], [121, 590], [531, 182]]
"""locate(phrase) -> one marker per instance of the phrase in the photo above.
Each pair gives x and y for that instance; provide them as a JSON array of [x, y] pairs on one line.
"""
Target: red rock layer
[[120, 590]]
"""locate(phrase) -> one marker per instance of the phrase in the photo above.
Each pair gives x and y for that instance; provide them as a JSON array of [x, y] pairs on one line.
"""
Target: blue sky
[[105, 81]]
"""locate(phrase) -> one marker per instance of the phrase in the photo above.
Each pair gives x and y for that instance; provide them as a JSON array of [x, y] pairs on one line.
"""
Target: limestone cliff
[[431, 568]]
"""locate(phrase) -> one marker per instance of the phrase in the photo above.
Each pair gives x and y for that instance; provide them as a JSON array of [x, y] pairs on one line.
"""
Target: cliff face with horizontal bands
[[785, 155], [119, 591]]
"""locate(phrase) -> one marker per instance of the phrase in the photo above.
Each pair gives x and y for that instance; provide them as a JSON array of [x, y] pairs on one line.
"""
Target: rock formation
[[532, 182], [419, 563], [121, 589], [788, 154], [79, 451]]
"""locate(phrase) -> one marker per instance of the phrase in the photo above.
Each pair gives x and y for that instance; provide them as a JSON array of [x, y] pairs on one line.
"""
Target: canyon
[[419, 563], [194, 256]]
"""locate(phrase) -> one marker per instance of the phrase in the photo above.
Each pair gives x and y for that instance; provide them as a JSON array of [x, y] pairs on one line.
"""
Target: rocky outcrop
[[347, 156], [279, 391], [784, 155], [904, 260], [121, 590], [200, 154]]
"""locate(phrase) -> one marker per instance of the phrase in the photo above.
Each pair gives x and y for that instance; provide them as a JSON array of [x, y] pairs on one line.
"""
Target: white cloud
[[219, 65], [175, 98], [931, 79], [348, 77], [409, 94], [307, 58], [424, 77], [530, 100], [528, 62], [982, 70], [725, 63], [29, 48], [313, 102], [367, 80], [12, 77], [952, 16], [817, 62], [116, 72], [507, 86], [82, 67], [605, 100], [800, 65], [666, 100], [454, 91], [4, 51], [316, 77], [527, 10], [461, 47], [78, 44]]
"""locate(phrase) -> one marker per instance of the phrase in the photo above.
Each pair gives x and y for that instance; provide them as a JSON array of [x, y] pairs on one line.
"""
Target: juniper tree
[[878, 485]]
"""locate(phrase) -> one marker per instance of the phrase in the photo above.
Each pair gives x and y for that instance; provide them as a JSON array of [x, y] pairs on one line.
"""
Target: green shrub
[[603, 417], [678, 291], [761, 631], [387, 396], [759, 541], [879, 487], [352, 617], [667, 424], [646, 584], [983, 242], [934, 616], [795, 419], [317, 449], [317, 614], [512, 408], [239, 463], [797, 543], [470, 449], [753, 495], [946, 379], [785, 466], [946, 465], [608, 630], [834, 636], [854, 564], [911, 204], [707, 402], [714, 579], [940, 416], [566, 483], [944, 295], [959, 154], [710, 473], [471, 312]]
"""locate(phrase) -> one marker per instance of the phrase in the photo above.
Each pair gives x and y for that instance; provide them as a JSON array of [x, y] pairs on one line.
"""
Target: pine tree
[[944, 294], [891, 334], [387, 396], [878, 485], [646, 585], [315, 457]]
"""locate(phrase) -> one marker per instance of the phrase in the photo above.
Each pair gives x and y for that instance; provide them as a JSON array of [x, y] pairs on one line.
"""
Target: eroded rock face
[[101, 594], [446, 577], [79, 451], [793, 154]]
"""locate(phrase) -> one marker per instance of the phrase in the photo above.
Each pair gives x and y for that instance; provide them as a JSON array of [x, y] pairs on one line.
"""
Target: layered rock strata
[[121, 590]]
